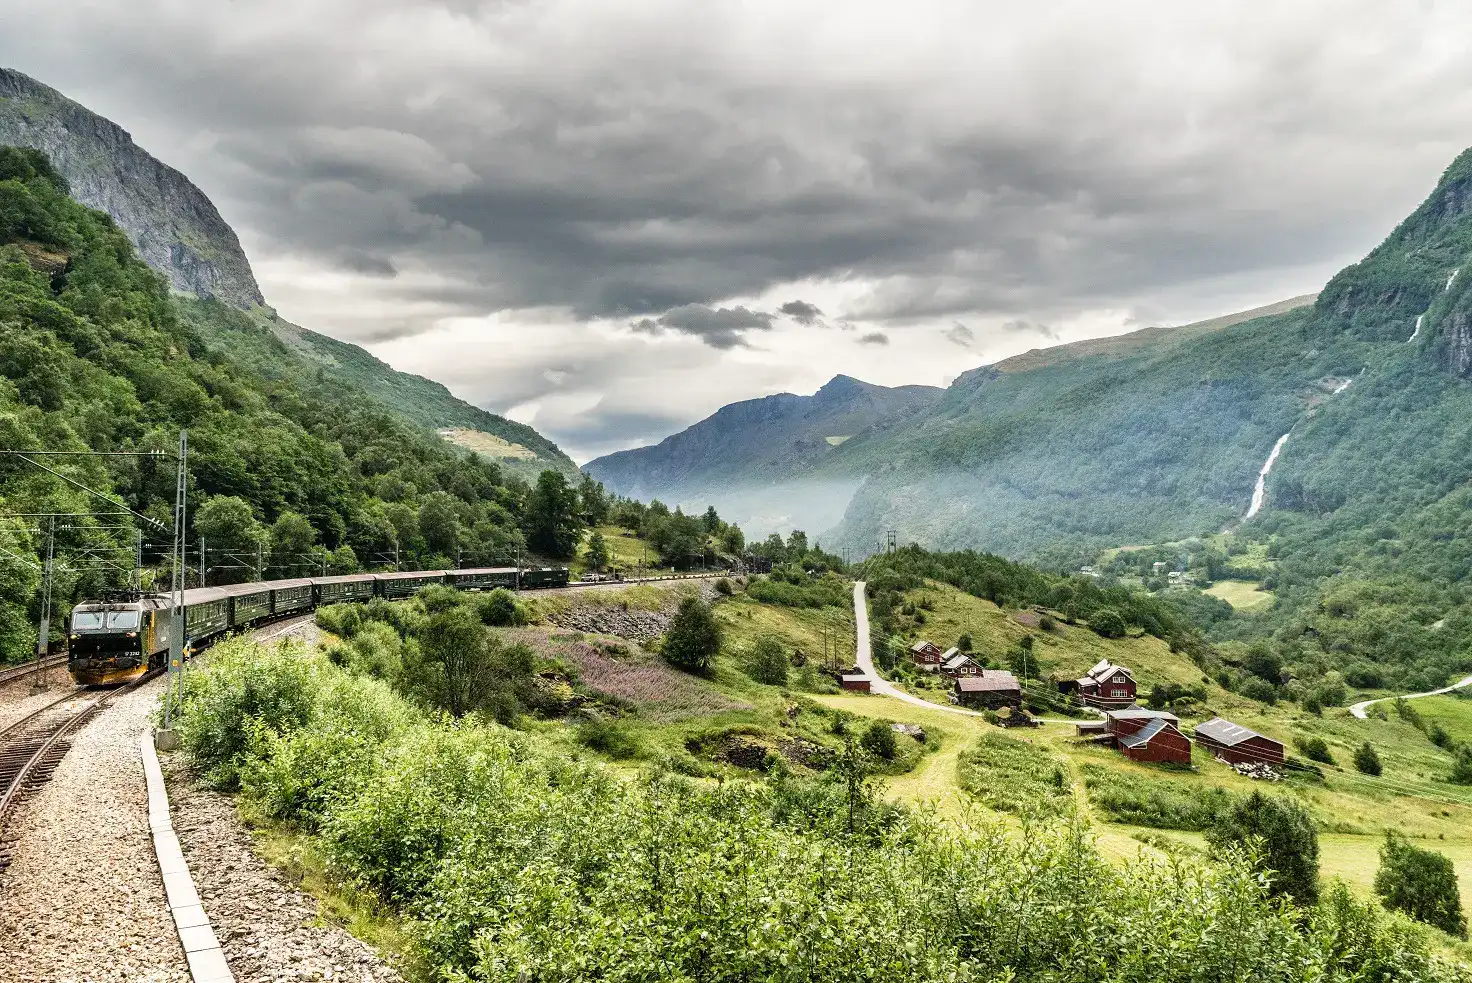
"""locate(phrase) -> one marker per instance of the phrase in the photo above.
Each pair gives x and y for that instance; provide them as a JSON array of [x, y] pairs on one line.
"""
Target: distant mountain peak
[[173, 224]]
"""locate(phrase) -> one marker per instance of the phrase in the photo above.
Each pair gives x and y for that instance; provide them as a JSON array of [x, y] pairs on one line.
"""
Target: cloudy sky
[[608, 219]]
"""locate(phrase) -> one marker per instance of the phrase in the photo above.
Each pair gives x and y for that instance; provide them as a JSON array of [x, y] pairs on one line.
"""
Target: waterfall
[[1418, 327], [1341, 387], [1451, 278], [1260, 490]]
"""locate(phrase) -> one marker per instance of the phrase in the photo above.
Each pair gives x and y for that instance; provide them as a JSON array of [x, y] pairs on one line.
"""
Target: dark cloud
[[959, 334], [874, 338], [723, 327], [1028, 327], [801, 311], [368, 265]]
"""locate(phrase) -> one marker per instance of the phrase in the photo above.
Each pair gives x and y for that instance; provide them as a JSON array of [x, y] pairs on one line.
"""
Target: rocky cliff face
[[175, 227]]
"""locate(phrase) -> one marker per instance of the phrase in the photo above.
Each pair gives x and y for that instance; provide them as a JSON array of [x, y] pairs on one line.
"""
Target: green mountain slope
[[177, 230], [290, 472]]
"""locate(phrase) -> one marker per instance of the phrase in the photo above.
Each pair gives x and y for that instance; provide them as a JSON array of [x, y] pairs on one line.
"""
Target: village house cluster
[[1137, 732]]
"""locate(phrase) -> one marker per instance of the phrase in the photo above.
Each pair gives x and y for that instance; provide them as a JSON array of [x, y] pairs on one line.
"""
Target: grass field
[[1242, 595], [1454, 713], [488, 445]]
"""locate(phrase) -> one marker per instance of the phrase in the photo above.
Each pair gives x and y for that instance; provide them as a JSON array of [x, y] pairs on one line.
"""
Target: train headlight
[[132, 634]]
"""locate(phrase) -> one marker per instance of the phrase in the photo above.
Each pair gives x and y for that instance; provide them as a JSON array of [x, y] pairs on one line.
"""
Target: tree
[[499, 608], [439, 523], [1421, 883], [711, 520], [343, 560], [233, 538], [457, 666], [963, 643], [594, 500], [733, 540], [1315, 749], [553, 524], [1367, 760], [597, 552], [879, 740], [693, 638], [1462, 766], [1279, 835], [292, 539], [767, 662], [1107, 623]]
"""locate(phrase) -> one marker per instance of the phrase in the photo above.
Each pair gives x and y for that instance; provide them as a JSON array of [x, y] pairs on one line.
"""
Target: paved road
[[1359, 708]]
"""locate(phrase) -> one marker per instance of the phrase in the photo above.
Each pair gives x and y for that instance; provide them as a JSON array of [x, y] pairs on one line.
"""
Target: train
[[121, 638]]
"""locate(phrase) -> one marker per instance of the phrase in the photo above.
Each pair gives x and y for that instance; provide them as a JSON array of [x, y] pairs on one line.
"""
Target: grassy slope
[[1242, 595]]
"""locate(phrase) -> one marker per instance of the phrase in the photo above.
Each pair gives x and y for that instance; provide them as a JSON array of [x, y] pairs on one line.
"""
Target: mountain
[[177, 230], [732, 455]]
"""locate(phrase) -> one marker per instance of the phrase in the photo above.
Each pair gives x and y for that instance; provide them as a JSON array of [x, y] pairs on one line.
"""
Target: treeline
[[514, 863]]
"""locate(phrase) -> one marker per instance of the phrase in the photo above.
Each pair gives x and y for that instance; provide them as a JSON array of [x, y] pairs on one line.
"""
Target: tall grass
[[1014, 776], [520, 865]]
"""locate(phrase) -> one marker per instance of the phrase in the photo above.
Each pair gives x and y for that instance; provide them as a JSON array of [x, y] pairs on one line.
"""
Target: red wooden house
[[993, 689], [1105, 685], [955, 663], [1238, 745], [926, 655], [1158, 740]]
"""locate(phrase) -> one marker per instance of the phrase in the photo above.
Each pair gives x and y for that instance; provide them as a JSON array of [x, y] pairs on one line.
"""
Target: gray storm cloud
[[674, 166]]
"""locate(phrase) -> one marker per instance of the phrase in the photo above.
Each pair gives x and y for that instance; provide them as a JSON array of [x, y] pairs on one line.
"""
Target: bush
[[499, 609], [1047, 622], [1421, 883], [1462, 767], [1142, 800], [879, 740], [723, 587], [611, 738], [1107, 623], [341, 620], [1259, 689], [767, 662], [1315, 749], [694, 637], [1279, 835], [1367, 759]]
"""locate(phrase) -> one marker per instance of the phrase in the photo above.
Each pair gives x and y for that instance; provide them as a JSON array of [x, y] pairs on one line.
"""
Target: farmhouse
[[1158, 740], [956, 664], [1238, 745], [1105, 685], [926, 655], [991, 688]]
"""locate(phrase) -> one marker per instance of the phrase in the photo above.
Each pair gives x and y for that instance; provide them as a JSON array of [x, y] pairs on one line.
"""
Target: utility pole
[[43, 637], [202, 581], [260, 562], [176, 613], [138, 563]]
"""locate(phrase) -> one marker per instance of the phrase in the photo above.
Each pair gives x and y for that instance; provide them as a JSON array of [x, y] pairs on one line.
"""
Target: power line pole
[[176, 613], [43, 637], [202, 581]]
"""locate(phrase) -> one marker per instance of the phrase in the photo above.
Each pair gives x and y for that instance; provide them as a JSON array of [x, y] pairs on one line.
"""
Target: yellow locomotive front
[[110, 642]]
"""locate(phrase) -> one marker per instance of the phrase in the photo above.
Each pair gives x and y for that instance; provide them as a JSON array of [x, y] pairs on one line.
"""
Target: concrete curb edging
[[201, 947]]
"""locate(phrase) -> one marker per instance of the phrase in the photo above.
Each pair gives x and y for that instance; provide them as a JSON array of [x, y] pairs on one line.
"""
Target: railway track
[[32, 747], [28, 668]]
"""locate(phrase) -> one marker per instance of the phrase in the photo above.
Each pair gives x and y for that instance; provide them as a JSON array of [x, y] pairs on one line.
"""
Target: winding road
[[1358, 709]]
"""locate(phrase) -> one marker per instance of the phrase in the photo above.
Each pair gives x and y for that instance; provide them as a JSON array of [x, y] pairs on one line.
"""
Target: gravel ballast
[[82, 899]]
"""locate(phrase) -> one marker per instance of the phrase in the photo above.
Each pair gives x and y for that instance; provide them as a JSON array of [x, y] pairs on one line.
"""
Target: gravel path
[[270, 931], [18, 698], [82, 899]]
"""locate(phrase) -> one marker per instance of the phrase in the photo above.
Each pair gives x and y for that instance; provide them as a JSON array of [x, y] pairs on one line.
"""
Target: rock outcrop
[[173, 224]]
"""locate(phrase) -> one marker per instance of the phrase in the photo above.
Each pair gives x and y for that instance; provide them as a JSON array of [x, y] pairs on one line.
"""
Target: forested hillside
[[289, 472]]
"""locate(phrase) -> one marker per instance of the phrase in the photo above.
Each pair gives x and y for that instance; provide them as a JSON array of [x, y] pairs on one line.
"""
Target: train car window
[[86, 619], [123, 620]]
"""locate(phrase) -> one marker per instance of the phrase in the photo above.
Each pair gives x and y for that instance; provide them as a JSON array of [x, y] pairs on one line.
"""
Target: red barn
[[1105, 685], [1122, 723], [1158, 740], [993, 689], [857, 682], [1238, 745]]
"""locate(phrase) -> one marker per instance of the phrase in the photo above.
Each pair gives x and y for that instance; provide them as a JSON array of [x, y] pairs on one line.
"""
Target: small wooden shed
[[1158, 741], [1238, 745]]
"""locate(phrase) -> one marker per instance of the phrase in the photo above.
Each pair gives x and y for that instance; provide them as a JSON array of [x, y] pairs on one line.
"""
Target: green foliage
[[724, 588], [878, 739], [1014, 776], [460, 667], [1145, 800], [693, 638], [1421, 883], [1279, 836], [499, 609], [502, 850], [767, 661], [609, 738], [1107, 623], [1462, 766], [554, 523], [1315, 749], [795, 589], [1367, 759], [597, 552]]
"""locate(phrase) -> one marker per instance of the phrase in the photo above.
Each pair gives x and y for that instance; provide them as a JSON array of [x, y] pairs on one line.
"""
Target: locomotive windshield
[[104, 620]]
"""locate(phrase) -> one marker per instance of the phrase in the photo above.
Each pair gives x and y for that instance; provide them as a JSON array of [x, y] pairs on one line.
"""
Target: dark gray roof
[[956, 661], [1227, 733], [1142, 713], [1144, 734]]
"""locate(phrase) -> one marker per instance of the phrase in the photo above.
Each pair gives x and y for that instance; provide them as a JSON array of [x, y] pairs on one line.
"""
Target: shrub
[[723, 587], [1421, 883], [1259, 689], [1462, 767], [499, 609], [767, 662], [1367, 759], [963, 643], [1047, 622], [1107, 623], [693, 638], [611, 738], [1279, 835], [341, 620], [879, 740], [1315, 749]]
